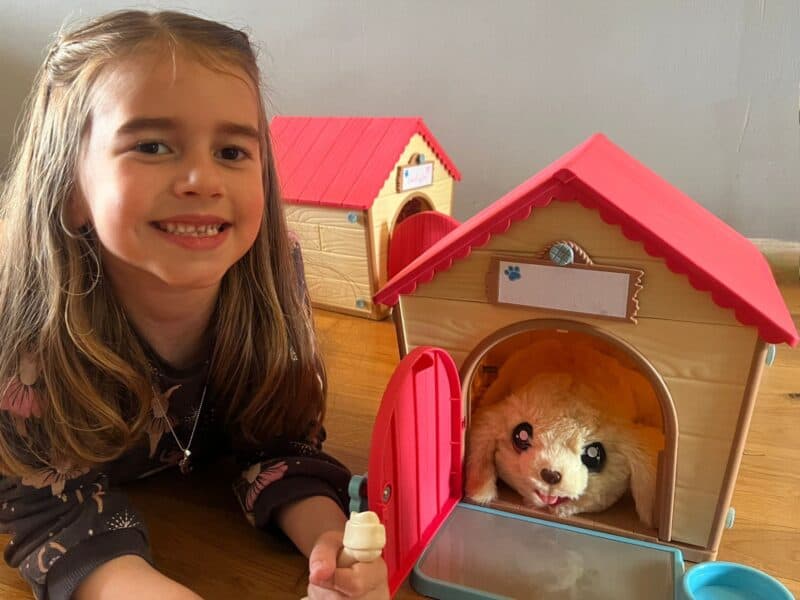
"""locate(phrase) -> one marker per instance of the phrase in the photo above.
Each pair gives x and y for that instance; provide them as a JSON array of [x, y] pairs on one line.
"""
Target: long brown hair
[[57, 311]]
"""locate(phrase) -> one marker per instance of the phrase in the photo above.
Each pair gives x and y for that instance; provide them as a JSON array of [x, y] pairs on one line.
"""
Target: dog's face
[[555, 450]]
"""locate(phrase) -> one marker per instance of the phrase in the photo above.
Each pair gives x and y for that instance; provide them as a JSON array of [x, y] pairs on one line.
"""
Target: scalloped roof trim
[[536, 193]]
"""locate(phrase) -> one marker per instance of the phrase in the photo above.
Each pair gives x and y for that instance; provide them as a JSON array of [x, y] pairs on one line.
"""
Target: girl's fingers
[[363, 580], [316, 592], [322, 560]]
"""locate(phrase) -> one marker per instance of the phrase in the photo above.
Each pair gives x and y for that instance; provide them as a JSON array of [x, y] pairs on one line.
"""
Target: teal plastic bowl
[[731, 581]]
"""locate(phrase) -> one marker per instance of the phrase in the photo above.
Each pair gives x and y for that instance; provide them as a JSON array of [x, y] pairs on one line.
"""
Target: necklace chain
[[185, 462]]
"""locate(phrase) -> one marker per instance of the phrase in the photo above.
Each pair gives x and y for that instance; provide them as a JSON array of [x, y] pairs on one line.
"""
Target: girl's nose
[[199, 177]]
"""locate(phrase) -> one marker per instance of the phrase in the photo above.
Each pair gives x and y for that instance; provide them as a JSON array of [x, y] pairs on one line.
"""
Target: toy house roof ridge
[[343, 162], [671, 226]]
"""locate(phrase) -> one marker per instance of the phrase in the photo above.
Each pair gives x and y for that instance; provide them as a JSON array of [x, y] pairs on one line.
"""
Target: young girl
[[153, 312]]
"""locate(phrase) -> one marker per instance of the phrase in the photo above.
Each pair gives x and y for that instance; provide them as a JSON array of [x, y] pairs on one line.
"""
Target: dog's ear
[[481, 472], [642, 455]]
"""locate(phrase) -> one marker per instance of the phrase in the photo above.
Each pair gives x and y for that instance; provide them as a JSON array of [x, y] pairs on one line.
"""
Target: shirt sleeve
[[65, 524], [288, 471]]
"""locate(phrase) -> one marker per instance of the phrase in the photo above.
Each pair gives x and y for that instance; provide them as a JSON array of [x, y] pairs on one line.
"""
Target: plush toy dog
[[617, 389], [552, 442]]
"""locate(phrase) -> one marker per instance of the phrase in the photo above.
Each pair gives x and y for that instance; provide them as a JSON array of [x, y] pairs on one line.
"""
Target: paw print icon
[[512, 272]]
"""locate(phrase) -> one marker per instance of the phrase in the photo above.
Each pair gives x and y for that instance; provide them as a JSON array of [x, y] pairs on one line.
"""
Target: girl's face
[[170, 170]]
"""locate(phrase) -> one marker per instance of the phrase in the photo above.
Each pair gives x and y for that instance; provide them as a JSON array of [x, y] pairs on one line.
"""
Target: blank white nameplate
[[583, 289]]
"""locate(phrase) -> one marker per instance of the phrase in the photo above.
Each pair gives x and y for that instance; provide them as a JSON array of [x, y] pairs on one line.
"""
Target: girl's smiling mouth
[[188, 229], [195, 232]]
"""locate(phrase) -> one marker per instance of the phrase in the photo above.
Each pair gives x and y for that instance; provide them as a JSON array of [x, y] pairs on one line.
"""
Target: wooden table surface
[[200, 537]]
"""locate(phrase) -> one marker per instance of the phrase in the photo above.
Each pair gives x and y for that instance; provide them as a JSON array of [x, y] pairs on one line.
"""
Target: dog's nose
[[551, 477]]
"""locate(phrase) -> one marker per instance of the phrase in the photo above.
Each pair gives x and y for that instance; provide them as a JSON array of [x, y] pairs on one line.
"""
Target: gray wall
[[704, 92]]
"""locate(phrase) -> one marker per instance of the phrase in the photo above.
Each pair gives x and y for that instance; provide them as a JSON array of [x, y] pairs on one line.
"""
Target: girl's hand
[[364, 580]]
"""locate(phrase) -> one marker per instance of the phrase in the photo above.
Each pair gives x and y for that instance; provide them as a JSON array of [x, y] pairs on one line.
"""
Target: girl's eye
[[594, 457], [232, 153], [152, 148], [522, 436]]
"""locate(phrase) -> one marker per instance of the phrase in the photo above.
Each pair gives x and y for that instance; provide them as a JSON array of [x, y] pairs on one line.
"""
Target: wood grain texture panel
[[308, 234], [706, 408], [321, 215], [571, 221], [690, 521], [665, 295], [336, 292], [697, 351], [347, 241], [701, 464], [325, 265]]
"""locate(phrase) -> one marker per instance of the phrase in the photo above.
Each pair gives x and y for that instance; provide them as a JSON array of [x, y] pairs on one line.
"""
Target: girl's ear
[[481, 472], [77, 209]]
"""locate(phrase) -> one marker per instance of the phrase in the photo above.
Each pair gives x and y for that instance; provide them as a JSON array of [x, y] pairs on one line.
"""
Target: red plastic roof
[[343, 161], [648, 209]]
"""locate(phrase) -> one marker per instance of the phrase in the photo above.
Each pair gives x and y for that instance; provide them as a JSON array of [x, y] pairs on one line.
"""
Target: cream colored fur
[[614, 388], [566, 416]]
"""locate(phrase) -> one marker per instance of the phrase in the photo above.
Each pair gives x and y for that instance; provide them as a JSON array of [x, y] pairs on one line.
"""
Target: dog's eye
[[522, 436], [594, 457]]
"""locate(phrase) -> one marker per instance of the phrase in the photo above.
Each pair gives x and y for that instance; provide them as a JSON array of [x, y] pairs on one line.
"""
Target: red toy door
[[415, 462], [414, 235]]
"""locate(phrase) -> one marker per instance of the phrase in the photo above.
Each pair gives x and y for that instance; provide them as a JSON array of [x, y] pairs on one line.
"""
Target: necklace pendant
[[185, 463]]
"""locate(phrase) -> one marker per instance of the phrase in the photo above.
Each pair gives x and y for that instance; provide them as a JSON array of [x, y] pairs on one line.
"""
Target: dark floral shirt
[[65, 522]]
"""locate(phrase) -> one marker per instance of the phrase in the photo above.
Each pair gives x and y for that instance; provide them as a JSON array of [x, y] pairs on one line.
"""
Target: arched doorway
[[482, 363], [417, 203]]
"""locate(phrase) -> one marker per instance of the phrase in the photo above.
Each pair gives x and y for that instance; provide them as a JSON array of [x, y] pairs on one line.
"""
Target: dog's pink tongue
[[549, 500]]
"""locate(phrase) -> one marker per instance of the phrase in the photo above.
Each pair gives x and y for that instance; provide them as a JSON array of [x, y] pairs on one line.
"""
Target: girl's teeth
[[191, 230]]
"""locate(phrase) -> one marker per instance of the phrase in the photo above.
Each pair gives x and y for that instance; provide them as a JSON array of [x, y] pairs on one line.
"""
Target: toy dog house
[[461, 551], [346, 182], [611, 252]]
